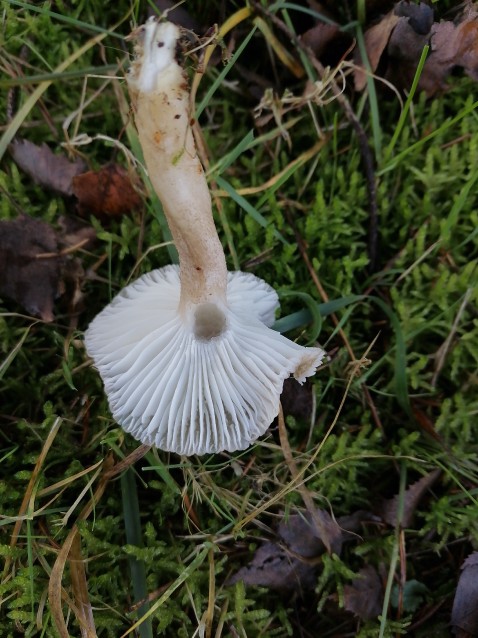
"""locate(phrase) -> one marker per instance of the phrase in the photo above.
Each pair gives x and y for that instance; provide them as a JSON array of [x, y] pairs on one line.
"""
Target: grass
[[96, 539]]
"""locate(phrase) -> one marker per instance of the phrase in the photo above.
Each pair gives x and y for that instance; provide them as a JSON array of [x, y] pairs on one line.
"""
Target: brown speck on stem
[[177, 116], [157, 137]]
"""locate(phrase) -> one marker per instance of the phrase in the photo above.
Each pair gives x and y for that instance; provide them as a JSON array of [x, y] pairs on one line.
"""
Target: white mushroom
[[188, 358]]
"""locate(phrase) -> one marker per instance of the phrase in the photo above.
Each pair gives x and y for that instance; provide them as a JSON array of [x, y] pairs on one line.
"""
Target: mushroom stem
[[160, 95]]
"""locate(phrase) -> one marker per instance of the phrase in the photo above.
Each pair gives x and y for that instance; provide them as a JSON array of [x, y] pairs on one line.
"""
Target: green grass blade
[[395, 161], [400, 373], [220, 78], [245, 205], [32, 99], [132, 524], [73, 22], [305, 316], [450, 222], [406, 108], [245, 144], [13, 353], [54, 77], [314, 310], [186, 573]]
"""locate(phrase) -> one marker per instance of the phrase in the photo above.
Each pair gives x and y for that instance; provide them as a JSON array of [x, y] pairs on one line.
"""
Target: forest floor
[[351, 189]]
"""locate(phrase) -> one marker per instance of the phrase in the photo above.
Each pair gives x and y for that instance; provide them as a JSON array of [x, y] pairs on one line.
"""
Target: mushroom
[[189, 361]]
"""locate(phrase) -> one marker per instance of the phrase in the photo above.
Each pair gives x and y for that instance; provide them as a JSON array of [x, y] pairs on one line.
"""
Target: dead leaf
[[364, 596], [27, 278], [37, 265], [453, 45], [291, 562], [413, 496], [464, 615], [108, 192], [420, 16], [52, 171], [319, 37], [297, 399], [376, 39]]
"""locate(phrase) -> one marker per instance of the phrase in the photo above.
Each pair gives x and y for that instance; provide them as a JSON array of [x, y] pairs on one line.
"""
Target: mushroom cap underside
[[188, 395]]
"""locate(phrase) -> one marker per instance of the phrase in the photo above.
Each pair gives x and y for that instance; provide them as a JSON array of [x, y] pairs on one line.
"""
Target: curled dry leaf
[[51, 171], [108, 192], [464, 615], [413, 495], [376, 39], [400, 36], [29, 276], [364, 596], [35, 265], [290, 562]]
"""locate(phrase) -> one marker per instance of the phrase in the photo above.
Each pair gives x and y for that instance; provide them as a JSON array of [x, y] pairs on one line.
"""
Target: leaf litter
[[34, 258], [107, 192], [36, 265], [291, 561], [464, 615]]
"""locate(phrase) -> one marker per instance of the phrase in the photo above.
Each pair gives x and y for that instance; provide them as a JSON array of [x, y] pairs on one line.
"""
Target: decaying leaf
[[364, 596], [464, 615], [108, 192], [404, 32], [105, 193], [34, 263], [319, 37], [52, 171], [290, 562], [376, 39], [413, 495], [29, 276]]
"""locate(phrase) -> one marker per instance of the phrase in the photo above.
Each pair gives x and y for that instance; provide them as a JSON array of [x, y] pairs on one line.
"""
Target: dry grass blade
[[55, 592], [80, 590], [29, 492], [327, 529]]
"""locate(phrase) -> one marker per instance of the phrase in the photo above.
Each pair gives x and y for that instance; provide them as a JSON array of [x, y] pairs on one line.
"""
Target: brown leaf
[[413, 495], [291, 562], [376, 39], [364, 596], [52, 171], [464, 615], [319, 37], [453, 45], [27, 278], [108, 192]]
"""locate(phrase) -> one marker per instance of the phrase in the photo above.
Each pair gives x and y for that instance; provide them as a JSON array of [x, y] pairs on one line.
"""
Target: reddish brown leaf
[[364, 596], [28, 278], [413, 495], [106, 193], [464, 615], [52, 171]]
